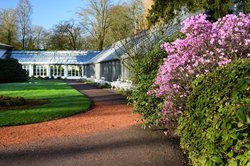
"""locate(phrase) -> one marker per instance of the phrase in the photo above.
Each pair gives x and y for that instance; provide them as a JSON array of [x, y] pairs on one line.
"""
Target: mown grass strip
[[63, 101]]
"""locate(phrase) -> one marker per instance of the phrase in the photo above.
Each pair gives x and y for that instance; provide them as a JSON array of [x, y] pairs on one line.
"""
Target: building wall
[[111, 70], [97, 70], [89, 70], [125, 74]]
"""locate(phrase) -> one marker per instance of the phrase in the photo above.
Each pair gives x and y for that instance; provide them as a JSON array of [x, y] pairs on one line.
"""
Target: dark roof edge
[[5, 46]]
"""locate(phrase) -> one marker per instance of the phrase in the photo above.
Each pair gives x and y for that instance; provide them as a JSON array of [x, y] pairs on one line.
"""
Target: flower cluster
[[206, 46]]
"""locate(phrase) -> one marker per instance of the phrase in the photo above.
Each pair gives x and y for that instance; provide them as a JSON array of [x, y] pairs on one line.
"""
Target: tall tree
[[125, 20], [137, 15], [96, 20], [8, 29], [38, 36], [121, 24], [24, 11], [66, 36]]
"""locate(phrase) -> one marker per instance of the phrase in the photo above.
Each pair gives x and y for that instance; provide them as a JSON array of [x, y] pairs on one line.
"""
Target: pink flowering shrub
[[206, 46]]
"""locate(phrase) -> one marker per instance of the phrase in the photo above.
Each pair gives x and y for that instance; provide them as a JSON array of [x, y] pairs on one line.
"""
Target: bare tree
[[96, 20], [38, 36], [72, 32], [8, 29], [137, 12], [24, 11], [66, 35]]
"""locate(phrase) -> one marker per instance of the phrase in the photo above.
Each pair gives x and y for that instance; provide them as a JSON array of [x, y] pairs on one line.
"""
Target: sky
[[47, 13]]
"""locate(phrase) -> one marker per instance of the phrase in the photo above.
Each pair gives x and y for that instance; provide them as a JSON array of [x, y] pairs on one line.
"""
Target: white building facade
[[68, 64], [54, 64]]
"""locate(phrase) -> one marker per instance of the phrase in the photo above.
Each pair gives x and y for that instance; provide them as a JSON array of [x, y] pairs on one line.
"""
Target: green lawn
[[63, 101]]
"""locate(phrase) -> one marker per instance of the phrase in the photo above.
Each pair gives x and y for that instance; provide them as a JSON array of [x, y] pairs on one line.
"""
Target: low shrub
[[11, 101], [106, 85], [11, 71], [33, 77], [40, 78], [123, 92], [215, 127]]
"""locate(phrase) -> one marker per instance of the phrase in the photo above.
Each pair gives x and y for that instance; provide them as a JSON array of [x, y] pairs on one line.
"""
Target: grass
[[63, 101]]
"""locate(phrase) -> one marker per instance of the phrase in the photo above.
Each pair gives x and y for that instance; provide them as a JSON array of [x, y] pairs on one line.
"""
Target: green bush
[[11, 101], [215, 127], [11, 71], [144, 72]]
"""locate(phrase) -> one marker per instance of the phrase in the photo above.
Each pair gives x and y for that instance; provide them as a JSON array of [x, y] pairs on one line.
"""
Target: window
[[57, 70], [40, 70], [74, 70]]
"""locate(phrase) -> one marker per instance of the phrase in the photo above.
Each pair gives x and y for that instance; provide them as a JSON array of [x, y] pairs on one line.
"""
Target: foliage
[[39, 38], [102, 86], [97, 84], [11, 101], [215, 127], [11, 71], [8, 27], [144, 71], [23, 14], [206, 46], [121, 24], [96, 20], [166, 10], [66, 35], [63, 101], [105, 23]]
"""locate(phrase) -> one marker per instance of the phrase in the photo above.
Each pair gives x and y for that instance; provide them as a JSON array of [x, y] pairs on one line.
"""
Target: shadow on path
[[113, 145], [125, 147]]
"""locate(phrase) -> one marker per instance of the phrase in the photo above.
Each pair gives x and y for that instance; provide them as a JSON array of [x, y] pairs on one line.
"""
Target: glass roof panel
[[54, 57]]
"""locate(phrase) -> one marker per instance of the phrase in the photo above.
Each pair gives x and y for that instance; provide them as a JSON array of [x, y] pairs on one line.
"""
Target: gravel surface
[[106, 135]]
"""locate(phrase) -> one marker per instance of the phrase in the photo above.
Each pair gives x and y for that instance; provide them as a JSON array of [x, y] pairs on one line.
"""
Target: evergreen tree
[[166, 10]]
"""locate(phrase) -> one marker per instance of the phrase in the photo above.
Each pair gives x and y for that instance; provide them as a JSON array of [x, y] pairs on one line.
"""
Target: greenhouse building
[[105, 65], [108, 64]]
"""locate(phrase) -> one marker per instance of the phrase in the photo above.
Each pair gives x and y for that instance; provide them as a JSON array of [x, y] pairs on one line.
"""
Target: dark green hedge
[[11, 71], [215, 127]]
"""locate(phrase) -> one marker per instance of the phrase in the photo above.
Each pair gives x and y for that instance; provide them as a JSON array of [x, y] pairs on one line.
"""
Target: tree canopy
[[166, 10]]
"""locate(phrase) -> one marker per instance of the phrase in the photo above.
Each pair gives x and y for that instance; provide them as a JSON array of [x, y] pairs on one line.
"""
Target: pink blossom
[[206, 46]]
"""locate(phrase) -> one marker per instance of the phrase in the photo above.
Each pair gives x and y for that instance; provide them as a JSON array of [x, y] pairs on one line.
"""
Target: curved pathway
[[106, 135]]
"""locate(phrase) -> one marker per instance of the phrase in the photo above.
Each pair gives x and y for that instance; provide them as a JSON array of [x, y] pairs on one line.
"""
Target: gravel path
[[108, 134]]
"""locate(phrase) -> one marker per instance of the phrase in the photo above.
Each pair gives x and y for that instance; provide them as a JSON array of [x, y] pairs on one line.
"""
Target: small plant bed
[[20, 103], [44, 100], [6, 101]]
